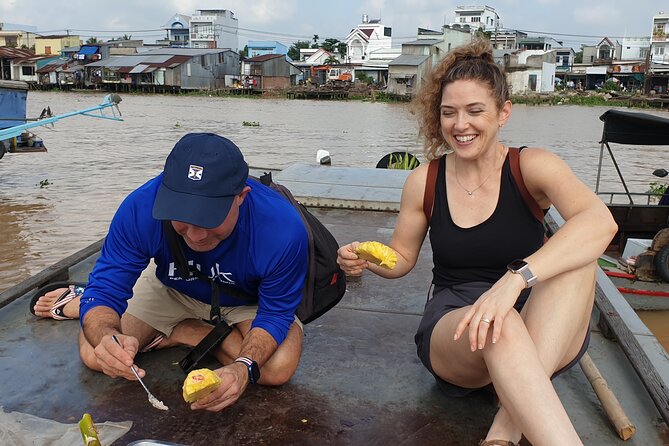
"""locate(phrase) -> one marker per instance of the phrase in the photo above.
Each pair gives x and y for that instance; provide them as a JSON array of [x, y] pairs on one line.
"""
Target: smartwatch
[[521, 267], [252, 366]]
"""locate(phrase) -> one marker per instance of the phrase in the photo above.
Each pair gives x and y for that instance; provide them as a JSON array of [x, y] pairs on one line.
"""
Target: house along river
[[53, 204]]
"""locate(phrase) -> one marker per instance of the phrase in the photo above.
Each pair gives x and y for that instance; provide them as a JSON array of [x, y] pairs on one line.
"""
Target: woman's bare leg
[[520, 366], [557, 317]]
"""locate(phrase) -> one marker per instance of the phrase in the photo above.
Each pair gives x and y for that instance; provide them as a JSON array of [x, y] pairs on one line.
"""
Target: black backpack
[[325, 283]]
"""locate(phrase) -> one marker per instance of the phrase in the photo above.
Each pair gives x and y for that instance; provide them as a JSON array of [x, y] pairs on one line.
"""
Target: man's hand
[[116, 358], [234, 379]]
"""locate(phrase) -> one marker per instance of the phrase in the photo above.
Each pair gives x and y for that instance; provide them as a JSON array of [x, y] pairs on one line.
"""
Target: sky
[[287, 21]]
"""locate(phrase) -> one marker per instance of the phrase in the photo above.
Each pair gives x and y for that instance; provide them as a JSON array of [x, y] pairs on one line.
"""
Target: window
[[47, 50], [28, 71], [476, 19], [463, 19], [532, 81]]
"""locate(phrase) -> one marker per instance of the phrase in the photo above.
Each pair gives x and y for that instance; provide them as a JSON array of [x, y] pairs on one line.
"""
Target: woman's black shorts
[[443, 300]]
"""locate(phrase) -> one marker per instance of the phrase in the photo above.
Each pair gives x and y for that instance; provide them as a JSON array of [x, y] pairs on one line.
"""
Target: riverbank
[[366, 93]]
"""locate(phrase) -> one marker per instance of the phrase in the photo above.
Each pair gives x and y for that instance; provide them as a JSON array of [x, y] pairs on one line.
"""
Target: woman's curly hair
[[473, 61]]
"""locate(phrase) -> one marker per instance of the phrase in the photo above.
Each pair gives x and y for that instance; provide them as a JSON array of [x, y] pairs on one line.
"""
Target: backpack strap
[[187, 271], [514, 161], [430, 188]]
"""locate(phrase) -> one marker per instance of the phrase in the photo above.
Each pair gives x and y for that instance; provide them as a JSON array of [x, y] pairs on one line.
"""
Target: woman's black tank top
[[481, 253]]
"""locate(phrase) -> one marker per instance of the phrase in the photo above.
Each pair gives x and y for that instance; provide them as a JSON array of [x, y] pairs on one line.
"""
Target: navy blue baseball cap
[[202, 175]]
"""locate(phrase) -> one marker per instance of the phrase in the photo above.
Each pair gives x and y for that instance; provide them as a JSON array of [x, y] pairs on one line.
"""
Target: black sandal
[[74, 289]]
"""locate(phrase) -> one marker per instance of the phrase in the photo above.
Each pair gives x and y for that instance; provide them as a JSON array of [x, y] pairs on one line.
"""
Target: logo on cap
[[195, 172]]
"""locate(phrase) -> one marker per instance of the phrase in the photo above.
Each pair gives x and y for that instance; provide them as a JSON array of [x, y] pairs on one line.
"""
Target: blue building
[[262, 47]]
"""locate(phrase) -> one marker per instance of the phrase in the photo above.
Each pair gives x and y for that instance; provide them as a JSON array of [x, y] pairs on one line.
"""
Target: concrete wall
[[55, 45]]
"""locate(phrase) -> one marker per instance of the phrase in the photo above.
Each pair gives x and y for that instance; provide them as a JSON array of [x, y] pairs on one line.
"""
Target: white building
[[214, 28], [634, 48], [477, 17], [367, 37], [660, 39]]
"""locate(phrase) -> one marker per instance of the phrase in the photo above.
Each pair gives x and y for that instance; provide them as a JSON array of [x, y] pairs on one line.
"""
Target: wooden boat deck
[[359, 380]]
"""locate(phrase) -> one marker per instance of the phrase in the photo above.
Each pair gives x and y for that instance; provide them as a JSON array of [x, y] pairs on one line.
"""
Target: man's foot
[[59, 303]]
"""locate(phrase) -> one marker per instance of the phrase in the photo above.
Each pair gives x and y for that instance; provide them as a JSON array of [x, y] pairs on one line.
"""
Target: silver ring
[[486, 320]]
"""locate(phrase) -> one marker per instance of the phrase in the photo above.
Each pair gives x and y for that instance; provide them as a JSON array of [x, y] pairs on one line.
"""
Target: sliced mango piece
[[377, 253], [200, 383]]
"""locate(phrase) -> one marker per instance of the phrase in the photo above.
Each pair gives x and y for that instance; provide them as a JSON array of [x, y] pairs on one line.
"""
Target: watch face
[[516, 265], [254, 372]]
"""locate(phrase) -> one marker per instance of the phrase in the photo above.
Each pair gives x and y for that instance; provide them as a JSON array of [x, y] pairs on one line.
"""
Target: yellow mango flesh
[[200, 383], [377, 253]]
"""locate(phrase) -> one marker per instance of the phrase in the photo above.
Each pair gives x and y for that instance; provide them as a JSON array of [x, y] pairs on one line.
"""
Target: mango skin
[[200, 383], [377, 253]]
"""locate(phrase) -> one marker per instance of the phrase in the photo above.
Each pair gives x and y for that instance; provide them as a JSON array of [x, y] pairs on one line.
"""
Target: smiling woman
[[506, 310]]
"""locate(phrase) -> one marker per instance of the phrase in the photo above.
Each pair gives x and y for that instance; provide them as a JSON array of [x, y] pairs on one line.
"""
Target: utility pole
[[646, 80]]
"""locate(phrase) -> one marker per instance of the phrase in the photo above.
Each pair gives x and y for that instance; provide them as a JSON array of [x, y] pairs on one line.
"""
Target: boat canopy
[[624, 127]]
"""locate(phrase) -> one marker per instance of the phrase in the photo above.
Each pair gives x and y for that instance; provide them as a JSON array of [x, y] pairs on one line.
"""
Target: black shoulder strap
[[187, 271]]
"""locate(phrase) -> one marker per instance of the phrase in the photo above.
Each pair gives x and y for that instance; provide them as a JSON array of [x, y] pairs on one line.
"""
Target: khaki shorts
[[163, 307]]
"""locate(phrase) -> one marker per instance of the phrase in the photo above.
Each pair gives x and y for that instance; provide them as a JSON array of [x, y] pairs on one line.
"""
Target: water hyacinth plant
[[405, 161]]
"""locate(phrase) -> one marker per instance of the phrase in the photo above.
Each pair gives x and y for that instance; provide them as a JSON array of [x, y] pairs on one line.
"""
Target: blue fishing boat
[[15, 136]]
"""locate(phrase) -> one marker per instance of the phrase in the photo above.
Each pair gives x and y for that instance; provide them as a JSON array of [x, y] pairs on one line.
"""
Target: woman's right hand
[[349, 261]]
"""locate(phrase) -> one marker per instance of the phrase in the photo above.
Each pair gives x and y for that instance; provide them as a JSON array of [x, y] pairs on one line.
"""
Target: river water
[[93, 163]]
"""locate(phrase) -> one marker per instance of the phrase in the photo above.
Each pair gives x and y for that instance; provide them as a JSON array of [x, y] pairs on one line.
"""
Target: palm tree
[[92, 40]]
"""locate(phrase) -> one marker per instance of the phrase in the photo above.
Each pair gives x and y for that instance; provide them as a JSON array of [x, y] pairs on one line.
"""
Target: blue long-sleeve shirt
[[265, 255]]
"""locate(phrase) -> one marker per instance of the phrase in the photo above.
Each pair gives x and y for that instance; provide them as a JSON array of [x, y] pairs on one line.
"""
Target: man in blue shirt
[[237, 232]]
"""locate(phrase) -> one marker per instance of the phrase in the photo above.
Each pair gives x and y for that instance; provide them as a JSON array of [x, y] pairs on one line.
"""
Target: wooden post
[[614, 411]]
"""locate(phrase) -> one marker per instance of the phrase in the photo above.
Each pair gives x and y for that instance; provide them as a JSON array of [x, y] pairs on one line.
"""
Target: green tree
[[578, 57], [126, 37], [331, 61], [294, 50], [330, 44], [485, 34], [315, 39], [341, 46], [245, 52], [93, 40]]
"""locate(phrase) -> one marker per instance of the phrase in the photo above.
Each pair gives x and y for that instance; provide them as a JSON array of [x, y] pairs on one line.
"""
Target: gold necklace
[[471, 192]]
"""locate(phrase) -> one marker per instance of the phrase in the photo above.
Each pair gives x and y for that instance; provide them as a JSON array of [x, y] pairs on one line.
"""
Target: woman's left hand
[[489, 310]]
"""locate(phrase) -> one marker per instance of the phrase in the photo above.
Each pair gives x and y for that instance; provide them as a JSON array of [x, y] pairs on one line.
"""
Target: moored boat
[[634, 260]]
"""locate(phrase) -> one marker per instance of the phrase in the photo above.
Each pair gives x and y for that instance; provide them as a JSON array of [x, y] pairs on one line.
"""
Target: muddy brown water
[[53, 204]]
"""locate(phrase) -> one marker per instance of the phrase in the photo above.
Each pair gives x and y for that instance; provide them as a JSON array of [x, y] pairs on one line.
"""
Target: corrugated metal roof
[[14, 53], [124, 64], [424, 42], [187, 51], [409, 60], [138, 68], [52, 66], [264, 57]]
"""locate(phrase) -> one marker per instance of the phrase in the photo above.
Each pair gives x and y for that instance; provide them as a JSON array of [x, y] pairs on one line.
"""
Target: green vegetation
[[403, 162], [44, 183], [657, 190], [251, 124], [294, 50], [365, 78], [587, 100]]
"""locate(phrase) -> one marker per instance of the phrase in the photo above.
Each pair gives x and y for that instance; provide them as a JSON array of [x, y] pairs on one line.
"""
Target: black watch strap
[[252, 366]]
